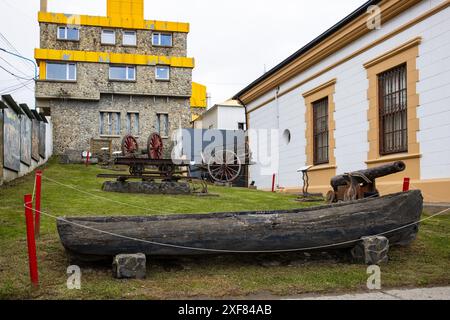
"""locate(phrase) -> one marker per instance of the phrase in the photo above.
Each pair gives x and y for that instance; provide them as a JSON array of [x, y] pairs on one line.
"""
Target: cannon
[[361, 184]]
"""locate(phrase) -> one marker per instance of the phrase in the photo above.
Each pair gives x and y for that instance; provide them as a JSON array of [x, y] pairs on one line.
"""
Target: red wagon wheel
[[155, 147], [129, 146]]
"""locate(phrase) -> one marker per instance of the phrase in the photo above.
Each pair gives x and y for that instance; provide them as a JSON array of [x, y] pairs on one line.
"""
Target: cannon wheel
[[225, 166], [129, 146], [155, 147]]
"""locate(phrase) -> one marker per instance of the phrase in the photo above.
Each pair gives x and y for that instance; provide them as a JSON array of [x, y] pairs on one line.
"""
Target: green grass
[[425, 263]]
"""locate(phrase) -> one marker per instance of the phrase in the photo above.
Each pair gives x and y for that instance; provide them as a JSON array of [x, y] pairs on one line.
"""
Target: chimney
[[43, 6]]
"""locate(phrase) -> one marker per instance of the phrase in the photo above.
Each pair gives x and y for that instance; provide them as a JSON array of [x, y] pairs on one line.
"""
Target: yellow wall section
[[406, 53], [113, 22], [42, 70], [106, 57], [198, 99], [133, 9]]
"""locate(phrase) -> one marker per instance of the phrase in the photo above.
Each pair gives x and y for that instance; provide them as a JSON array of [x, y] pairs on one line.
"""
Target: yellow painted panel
[[198, 98], [126, 8], [42, 70], [119, 58], [113, 22]]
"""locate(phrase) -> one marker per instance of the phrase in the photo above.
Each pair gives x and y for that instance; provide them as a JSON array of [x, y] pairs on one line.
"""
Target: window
[[129, 38], [133, 123], [68, 33], [393, 111], [241, 126], [108, 37], [320, 129], [110, 123], [162, 39], [162, 124], [61, 71], [162, 73], [123, 73]]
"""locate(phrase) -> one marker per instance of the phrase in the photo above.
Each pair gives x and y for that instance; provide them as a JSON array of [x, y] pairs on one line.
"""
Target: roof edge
[[352, 16]]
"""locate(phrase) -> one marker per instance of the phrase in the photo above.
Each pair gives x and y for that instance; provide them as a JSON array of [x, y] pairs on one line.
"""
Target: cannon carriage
[[361, 184]]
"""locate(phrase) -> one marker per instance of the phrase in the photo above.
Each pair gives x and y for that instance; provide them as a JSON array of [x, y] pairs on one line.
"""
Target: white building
[[229, 115], [360, 96]]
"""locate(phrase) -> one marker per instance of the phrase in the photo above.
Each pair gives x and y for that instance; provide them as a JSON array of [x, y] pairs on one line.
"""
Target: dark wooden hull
[[246, 231]]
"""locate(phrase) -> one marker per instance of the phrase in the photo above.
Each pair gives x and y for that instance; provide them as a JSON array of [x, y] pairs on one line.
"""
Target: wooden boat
[[245, 231]]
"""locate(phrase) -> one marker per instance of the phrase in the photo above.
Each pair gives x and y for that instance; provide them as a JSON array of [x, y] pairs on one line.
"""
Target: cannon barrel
[[372, 173]]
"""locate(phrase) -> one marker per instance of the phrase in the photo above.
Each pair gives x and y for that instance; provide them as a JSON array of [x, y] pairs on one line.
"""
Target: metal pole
[[31, 241], [406, 184]]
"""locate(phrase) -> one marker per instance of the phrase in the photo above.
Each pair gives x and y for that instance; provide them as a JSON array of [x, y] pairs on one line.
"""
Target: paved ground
[[442, 293]]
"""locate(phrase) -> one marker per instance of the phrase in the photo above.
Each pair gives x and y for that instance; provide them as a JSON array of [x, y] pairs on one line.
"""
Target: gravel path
[[442, 293]]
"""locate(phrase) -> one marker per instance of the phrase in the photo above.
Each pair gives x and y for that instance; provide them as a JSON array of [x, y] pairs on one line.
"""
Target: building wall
[[229, 117], [75, 122], [7, 175], [93, 79], [352, 105], [75, 106], [90, 39], [210, 119]]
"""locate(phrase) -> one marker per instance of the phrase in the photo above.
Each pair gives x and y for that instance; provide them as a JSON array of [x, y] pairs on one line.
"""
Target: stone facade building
[[105, 77]]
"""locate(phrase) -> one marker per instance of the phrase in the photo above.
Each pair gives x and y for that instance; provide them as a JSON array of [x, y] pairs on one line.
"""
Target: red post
[[31, 241], [87, 158], [273, 182], [37, 204], [406, 184]]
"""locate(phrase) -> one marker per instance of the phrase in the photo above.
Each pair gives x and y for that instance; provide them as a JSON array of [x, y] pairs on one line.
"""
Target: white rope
[[103, 198], [34, 189], [229, 251]]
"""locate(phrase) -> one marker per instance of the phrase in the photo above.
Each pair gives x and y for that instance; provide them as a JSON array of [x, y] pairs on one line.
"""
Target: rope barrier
[[231, 251], [103, 198], [27, 205]]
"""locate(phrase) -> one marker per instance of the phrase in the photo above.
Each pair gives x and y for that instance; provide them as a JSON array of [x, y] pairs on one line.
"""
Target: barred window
[[320, 129], [162, 124], [110, 123], [393, 111]]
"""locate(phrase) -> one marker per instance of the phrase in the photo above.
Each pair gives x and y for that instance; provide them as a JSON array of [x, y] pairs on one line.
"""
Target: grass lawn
[[425, 263]]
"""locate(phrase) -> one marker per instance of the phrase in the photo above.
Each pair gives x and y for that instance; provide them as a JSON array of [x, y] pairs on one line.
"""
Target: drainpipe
[[43, 6], [277, 106], [246, 129], [246, 113]]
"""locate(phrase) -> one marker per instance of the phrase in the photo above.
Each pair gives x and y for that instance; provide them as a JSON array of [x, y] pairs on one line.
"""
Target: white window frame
[[135, 38], [159, 39], [108, 43], [168, 73], [66, 33], [67, 71], [126, 73]]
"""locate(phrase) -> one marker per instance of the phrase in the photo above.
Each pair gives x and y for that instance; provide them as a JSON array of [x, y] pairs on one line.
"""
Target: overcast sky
[[232, 41]]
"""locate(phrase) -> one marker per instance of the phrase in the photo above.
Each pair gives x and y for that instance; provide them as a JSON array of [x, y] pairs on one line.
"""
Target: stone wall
[[75, 122], [90, 40], [198, 111], [93, 79]]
